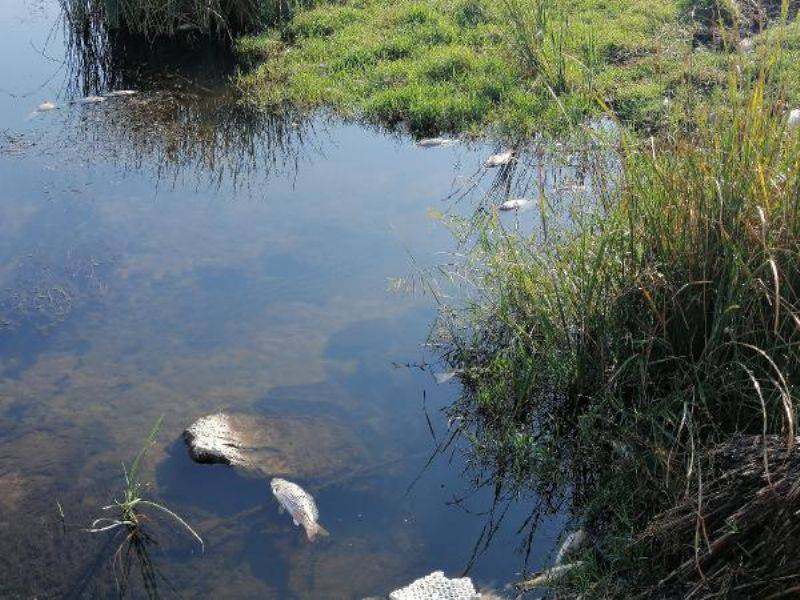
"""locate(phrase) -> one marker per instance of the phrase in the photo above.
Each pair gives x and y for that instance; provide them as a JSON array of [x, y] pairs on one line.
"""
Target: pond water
[[171, 254]]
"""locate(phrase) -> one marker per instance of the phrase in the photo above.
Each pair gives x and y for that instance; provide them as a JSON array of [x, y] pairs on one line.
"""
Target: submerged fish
[[514, 204], [498, 160], [300, 505]]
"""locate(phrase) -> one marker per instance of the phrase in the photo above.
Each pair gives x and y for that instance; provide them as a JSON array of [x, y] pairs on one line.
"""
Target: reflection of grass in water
[[130, 519]]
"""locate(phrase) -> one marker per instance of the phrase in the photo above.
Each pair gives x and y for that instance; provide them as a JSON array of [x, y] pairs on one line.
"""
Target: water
[[172, 255]]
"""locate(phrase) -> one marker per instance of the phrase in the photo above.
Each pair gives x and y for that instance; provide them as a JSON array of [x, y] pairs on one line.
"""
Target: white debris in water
[[498, 160], [515, 204], [437, 587], [794, 118]]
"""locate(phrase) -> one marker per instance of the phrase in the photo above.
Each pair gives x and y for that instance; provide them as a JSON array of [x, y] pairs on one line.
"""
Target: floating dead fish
[[498, 160], [433, 142], [573, 543], [548, 577], [300, 505], [446, 375], [121, 93], [515, 204], [46, 106], [794, 118], [187, 27], [90, 100]]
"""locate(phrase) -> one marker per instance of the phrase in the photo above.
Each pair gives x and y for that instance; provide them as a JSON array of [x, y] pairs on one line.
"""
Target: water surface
[[172, 254]]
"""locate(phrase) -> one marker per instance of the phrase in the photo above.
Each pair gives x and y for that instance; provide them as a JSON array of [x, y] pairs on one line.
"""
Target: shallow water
[[172, 255]]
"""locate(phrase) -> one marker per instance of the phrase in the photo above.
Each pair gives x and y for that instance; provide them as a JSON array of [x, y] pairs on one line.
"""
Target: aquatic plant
[[602, 358], [130, 519], [153, 18]]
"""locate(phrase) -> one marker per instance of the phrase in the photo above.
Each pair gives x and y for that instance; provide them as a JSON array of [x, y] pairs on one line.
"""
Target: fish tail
[[315, 530]]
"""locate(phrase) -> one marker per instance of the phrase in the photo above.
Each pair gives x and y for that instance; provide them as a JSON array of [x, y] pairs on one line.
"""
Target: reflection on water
[[173, 254]]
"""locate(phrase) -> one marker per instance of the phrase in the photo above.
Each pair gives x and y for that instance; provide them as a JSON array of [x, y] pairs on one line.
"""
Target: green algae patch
[[516, 66]]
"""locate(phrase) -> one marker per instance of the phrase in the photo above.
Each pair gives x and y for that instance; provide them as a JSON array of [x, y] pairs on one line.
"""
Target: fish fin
[[296, 524], [315, 530]]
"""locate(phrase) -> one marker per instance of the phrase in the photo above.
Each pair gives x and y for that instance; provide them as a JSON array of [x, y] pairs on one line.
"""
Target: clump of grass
[[605, 356], [129, 517], [154, 18]]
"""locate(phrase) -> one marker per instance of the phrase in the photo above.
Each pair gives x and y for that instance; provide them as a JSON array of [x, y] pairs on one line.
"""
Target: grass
[[512, 68], [130, 518], [602, 359], [457, 65]]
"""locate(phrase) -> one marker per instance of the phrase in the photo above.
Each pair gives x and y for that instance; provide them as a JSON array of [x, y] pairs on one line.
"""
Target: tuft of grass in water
[[602, 358], [129, 516], [154, 18]]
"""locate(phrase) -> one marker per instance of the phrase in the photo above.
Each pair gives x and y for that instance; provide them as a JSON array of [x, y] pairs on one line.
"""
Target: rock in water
[[300, 505], [437, 587], [307, 447]]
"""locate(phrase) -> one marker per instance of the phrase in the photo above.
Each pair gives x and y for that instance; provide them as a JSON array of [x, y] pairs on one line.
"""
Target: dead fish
[[46, 106], [91, 100], [300, 505], [433, 142], [498, 160], [515, 204], [794, 118], [573, 543], [121, 93], [548, 577], [447, 375]]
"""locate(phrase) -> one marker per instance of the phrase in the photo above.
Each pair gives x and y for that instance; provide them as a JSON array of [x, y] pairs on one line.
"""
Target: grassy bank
[[603, 359], [512, 67]]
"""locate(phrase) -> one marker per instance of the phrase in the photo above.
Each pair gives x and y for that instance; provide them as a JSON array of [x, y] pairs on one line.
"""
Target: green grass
[[130, 518], [511, 68], [460, 65]]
